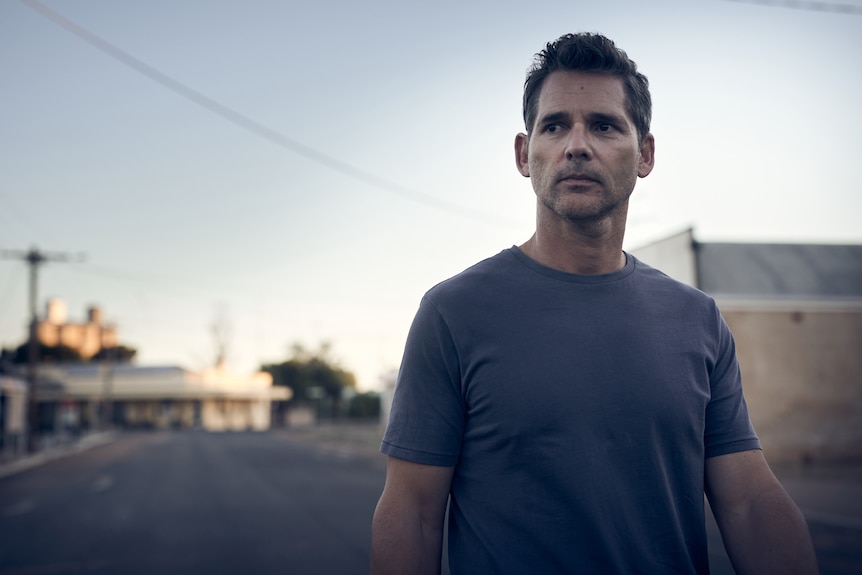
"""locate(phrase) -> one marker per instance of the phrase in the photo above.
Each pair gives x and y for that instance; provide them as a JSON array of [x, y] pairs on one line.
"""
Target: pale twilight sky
[[182, 213]]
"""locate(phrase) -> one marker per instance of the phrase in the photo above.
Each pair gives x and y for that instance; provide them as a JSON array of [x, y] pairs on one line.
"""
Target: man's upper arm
[[407, 530], [762, 528], [736, 479], [423, 488]]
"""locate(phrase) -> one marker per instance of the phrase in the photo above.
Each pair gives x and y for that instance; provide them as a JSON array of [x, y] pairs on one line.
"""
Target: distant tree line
[[64, 354], [319, 382]]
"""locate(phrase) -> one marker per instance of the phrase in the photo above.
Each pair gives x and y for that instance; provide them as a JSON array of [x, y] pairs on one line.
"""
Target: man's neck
[[570, 249]]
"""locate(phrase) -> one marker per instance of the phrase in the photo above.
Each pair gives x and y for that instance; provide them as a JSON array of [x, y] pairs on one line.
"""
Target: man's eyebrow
[[607, 117], [593, 117], [553, 118]]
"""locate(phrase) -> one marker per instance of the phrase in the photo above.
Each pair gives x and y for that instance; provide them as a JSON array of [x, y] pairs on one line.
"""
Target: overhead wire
[[16, 281], [20, 218], [187, 289], [179, 287], [254, 126], [836, 7]]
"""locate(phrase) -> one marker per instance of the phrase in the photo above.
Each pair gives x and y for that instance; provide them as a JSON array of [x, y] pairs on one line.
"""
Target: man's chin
[[584, 211]]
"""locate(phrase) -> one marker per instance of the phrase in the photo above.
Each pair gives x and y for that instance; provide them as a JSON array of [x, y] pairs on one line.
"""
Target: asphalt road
[[236, 503], [165, 503]]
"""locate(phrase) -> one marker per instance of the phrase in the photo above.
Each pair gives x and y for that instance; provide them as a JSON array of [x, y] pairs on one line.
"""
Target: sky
[[301, 172]]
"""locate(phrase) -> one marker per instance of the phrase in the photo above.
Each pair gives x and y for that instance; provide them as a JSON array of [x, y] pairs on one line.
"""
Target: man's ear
[[522, 157], [647, 156]]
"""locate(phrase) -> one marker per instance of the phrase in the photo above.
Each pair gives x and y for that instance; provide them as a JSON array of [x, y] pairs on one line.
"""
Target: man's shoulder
[[481, 275], [651, 278]]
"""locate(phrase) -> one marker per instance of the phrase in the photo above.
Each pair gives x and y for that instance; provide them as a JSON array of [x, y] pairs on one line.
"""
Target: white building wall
[[673, 255]]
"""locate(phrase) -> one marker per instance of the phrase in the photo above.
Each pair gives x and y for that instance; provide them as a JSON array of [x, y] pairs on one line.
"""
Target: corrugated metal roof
[[780, 270]]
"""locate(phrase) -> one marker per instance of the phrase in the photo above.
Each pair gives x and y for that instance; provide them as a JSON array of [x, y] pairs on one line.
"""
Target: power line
[[18, 216], [835, 7], [5, 295], [253, 126], [183, 288]]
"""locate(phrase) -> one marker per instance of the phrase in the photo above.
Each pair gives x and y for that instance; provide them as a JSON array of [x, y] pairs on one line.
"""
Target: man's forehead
[[563, 88]]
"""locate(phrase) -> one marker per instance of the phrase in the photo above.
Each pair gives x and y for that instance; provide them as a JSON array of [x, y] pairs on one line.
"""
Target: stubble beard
[[569, 207]]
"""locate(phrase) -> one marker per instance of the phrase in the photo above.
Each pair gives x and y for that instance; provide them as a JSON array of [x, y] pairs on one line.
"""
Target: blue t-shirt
[[577, 411]]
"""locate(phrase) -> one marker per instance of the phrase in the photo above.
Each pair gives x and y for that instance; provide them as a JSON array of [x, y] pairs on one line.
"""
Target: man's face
[[583, 155]]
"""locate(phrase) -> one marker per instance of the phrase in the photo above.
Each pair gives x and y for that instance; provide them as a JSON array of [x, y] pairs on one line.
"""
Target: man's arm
[[763, 530], [407, 530]]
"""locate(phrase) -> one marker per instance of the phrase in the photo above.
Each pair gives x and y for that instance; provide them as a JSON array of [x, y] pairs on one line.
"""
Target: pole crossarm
[[34, 256]]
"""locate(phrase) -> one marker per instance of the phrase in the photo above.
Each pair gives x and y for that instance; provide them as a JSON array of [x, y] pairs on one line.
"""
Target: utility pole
[[34, 258]]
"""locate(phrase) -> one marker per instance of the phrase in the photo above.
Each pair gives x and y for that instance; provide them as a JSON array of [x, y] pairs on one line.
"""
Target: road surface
[[192, 502], [237, 503]]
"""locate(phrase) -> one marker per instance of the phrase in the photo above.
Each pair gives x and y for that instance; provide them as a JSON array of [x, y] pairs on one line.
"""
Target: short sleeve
[[426, 422], [728, 427]]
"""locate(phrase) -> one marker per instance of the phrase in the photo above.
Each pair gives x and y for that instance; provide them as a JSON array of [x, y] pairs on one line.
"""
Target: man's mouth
[[578, 179]]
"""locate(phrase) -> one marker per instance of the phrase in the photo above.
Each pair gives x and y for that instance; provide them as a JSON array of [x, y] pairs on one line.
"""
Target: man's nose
[[578, 143]]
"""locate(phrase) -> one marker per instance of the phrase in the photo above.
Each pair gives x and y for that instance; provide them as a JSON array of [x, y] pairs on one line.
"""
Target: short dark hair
[[587, 52]]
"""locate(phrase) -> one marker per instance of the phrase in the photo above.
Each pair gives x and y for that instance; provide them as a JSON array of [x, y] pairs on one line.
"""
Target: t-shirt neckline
[[552, 273]]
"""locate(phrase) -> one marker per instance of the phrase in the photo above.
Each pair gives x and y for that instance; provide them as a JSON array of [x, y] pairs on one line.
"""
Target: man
[[572, 404]]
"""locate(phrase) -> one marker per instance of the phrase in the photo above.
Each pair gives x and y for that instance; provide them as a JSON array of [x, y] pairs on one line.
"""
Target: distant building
[[87, 338], [92, 396], [13, 415], [796, 314], [74, 397]]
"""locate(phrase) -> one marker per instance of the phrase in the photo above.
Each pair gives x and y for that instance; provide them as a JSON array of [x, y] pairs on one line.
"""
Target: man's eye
[[605, 127], [552, 128]]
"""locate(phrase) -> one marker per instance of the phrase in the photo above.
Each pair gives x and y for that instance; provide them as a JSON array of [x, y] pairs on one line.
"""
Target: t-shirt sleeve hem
[[418, 456], [733, 447]]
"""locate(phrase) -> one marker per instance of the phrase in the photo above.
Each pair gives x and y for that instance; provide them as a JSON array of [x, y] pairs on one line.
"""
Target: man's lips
[[577, 179]]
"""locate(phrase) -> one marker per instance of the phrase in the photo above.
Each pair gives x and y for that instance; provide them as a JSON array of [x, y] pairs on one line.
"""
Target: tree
[[365, 406], [63, 354], [311, 375], [221, 331], [119, 354], [46, 354]]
